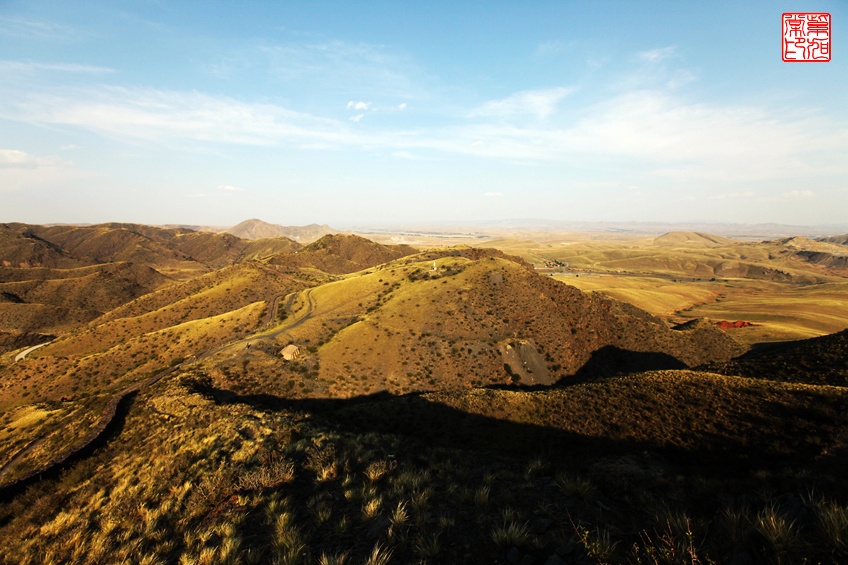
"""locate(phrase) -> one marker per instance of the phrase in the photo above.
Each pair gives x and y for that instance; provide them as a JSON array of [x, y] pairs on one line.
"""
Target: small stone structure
[[290, 352]]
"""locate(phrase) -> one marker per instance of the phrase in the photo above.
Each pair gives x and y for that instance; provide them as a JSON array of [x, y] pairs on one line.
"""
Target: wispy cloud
[[339, 65], [748, 194], [538, 103], [29, 66], [230, 188], [657, 55], [799, 194], [408, 155], [669, 136], [34, 29], [493, 194], [169, 116], [550, 48]]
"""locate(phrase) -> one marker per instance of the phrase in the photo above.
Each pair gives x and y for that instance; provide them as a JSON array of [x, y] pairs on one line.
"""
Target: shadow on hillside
[[432, 424], [96, 439], [608, 361], [818, 361], [611, 360]]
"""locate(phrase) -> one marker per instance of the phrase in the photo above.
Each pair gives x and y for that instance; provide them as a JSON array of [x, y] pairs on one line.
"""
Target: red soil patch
[[733, 325]]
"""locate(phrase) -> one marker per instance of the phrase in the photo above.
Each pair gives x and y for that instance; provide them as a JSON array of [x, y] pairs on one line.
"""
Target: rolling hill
[[838, 239], [50, 301], [340, 254]]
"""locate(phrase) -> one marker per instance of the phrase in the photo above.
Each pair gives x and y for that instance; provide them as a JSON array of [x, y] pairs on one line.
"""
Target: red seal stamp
[[806, 37]]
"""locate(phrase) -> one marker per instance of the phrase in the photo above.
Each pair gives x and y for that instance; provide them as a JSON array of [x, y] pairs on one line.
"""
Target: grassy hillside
[[479, 318], [820, 361], [42, 300]]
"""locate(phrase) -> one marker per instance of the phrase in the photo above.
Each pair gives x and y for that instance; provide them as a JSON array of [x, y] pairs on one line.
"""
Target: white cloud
[[21, 170], [14, 158], [402, 106], [799, 194], [69, 147], [657, 55], [356, 118], [538, 103], [358, 105], [230, 188], [493, 194]]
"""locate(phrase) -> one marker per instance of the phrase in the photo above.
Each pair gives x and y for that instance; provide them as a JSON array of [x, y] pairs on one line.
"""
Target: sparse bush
[[598, 543]]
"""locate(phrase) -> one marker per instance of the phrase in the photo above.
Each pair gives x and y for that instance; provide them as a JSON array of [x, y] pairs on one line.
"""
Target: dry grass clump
[[779, 532], [576, 486], [833, 523], [511, 533]]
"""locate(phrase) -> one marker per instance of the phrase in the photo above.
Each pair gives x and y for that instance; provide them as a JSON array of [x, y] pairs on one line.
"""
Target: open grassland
[[780, 311], [783, 312], [701, 256], [659, 296]]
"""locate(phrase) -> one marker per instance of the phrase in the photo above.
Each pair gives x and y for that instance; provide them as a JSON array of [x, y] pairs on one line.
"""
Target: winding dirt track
[[22, 355]]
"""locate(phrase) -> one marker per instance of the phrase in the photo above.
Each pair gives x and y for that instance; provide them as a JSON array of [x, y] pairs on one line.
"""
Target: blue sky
[[376, 113]]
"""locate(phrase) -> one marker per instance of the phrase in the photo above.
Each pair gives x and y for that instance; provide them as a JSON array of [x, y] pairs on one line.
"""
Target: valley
[[489, 397]]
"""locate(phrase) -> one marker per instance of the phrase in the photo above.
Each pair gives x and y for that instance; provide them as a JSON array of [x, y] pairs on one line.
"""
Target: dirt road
[[22, 355]]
